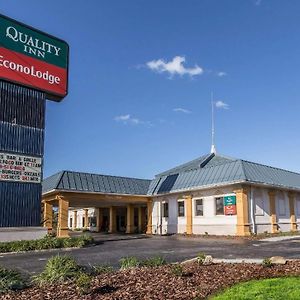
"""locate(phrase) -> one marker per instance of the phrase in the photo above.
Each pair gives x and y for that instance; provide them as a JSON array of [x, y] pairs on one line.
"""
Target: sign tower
[[33, 68]]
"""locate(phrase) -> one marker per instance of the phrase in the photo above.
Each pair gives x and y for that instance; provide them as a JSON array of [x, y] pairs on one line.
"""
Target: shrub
[[129, 262], [200, 258], [84, 240], [267, 263], [10, 280], [58, 270], [83, 282], [48, 242], [177, 270], [153, 262], [100, 269]]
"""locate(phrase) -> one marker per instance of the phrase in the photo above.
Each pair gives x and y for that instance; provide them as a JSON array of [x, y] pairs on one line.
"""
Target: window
[[165, 209], [259, 202], [92, 221], [298, 207], [199, 207], [180, 208], [71, 222], [281, 204], [219, 206], [83, 221]]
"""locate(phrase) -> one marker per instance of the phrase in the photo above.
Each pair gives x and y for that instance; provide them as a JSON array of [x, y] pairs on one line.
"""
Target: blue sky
[[136, 108]]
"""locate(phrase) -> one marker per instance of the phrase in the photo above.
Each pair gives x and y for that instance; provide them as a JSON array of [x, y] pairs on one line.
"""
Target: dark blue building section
[[19, 211], [22, 123], [21, 139]]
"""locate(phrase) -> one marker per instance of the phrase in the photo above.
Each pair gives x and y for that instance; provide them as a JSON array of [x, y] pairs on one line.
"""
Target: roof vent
[[206, 160]]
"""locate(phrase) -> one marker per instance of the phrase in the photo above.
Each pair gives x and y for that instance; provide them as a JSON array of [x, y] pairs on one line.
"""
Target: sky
[[141, 76]]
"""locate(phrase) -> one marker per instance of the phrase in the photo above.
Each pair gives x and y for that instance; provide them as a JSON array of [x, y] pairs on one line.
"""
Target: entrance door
[[121, 223]]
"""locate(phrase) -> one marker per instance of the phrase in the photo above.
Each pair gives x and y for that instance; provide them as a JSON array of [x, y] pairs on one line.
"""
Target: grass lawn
[[287, 288]]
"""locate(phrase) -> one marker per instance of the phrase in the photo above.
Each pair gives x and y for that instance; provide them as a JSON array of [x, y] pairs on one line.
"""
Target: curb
[[279, 238], [235, 260], [40, 251]]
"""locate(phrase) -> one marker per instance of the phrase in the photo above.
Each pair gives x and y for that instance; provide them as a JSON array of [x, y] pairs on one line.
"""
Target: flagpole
[[213, 148]]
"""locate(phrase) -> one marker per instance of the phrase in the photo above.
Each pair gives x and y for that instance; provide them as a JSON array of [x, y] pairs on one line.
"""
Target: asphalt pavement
[[109, 250]]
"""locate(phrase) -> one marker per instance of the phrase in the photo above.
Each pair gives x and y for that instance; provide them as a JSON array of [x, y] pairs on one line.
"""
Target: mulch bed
[[198, 282], [253, 237]]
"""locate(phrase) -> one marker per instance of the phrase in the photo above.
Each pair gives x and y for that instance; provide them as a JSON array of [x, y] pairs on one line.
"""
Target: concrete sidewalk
[[280, 238]]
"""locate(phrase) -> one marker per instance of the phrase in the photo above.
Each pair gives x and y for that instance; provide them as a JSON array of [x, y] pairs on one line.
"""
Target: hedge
[[47, 242]]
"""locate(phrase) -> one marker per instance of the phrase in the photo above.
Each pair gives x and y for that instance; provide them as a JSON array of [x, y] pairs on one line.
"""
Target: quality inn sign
[[32, 58]]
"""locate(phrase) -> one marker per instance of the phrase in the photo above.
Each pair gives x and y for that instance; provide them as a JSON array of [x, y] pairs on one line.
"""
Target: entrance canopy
[[82, 190]]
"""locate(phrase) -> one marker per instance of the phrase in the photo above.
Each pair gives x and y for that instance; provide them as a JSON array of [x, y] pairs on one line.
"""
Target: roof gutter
[[203, 187], [209, 186], [56, 191]]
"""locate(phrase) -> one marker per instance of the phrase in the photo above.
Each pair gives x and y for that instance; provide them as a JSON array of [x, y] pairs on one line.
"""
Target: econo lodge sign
[[32, 58]]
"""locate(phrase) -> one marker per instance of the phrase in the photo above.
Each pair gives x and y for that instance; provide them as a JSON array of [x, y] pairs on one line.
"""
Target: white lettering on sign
[[20, 168], [31, 45], [52, 79]]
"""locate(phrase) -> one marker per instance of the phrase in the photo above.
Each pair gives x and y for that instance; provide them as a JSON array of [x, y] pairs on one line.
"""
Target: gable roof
[[95, 183], [219, 170]]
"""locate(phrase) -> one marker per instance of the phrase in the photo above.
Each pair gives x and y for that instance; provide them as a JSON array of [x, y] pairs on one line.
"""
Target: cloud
[[128, 119], [222, 105], [182, 110], [258, 2], [174, 67], [221, 74], [123, 118]]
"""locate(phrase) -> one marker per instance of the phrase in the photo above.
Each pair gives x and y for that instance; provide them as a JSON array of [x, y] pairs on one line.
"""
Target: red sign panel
[[230, 210]]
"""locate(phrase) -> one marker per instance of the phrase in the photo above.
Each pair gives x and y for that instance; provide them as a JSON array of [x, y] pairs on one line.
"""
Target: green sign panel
[[33, 58], [27, 41], [229, 200]]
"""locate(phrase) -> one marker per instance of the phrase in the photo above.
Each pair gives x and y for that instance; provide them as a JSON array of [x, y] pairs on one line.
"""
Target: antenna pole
[[213, 148]]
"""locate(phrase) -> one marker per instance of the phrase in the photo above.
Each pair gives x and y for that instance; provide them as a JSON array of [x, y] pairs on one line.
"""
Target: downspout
[[160, 215], [253, 225]]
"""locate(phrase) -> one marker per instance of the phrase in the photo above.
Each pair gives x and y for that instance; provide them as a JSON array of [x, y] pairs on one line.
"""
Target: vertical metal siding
[[16, 210], [22, 106], [21, 139], [22, 123]]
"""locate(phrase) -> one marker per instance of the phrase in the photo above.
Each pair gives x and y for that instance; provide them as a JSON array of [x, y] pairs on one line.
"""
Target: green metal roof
[[205, 171], [95, 183], [214, 169], [201, 162]]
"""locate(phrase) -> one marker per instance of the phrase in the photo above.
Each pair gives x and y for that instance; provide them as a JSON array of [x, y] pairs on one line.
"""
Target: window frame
[[181, 201], [281, 202], [165, 204], [259, 203], [297, 206], [195, 207], [216, 210], [92, 221]]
